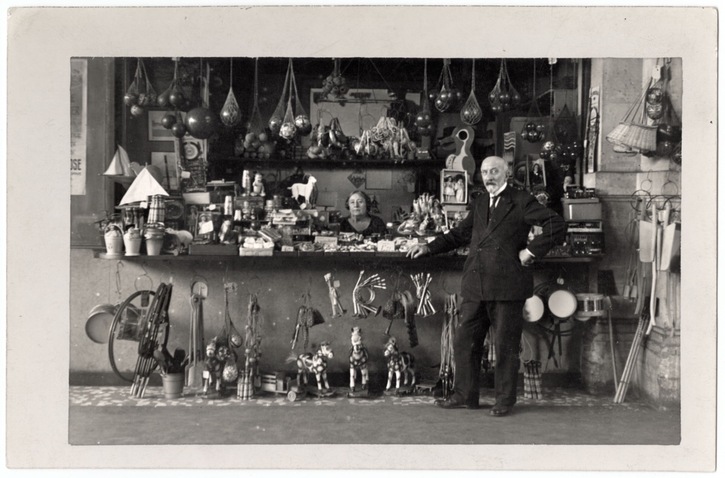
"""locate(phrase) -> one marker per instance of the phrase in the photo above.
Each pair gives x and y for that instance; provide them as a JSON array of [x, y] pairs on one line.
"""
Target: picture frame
[[454, 186], [168, 165], [157, 132]]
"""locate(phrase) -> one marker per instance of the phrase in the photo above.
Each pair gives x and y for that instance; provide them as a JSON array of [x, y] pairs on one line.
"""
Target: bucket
[[114, 244], [173, 384], [153, 246], [132, 242]]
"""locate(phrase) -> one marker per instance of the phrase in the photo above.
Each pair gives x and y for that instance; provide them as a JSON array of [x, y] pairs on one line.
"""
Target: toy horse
[[316, 364], [399, 363], [307, 191], [358, 359]]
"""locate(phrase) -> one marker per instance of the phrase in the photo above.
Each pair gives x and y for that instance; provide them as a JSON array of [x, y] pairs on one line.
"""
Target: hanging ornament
[[448, 96], [174, 96], [303, 125], [140, 93], [424, 119], [231, 113], [200, 121], [277, 118], [503, 96], [335, 83], [471, 112]]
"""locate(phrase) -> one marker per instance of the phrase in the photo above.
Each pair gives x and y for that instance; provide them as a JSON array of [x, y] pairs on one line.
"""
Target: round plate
[[174, 209], [191, 150]]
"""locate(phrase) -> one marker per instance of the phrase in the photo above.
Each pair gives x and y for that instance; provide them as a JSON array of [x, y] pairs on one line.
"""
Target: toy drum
[[562, 303], [533, 309], [589, 305]]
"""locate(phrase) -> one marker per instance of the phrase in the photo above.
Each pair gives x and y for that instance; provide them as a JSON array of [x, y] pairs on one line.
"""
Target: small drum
[[533, 309], [589, 305], [562, 303]]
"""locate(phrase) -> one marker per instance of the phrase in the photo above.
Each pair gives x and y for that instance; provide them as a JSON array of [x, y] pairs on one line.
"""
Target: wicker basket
[[631, 136]]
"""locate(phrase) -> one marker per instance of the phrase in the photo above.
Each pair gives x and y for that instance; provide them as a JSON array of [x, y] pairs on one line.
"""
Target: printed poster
[[78, 118]]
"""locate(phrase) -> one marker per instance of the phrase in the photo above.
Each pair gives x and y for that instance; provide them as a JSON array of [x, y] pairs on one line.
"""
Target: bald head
[[493, 173]]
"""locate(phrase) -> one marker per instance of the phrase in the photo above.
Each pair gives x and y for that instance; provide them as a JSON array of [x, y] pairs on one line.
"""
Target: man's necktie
[[491, 206]]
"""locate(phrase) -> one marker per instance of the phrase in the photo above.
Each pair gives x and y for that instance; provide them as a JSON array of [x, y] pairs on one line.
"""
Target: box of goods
[[387, 248], [268, 382], [256, 246], [585, 209]]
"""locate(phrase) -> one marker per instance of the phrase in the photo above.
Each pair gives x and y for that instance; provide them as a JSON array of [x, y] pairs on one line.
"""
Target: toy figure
[[308, 193], [316, 364], [358, 359], [257, 185], [399, 363]]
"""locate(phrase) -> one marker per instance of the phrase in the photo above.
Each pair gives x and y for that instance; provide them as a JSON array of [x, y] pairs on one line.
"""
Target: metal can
[[228, 205]]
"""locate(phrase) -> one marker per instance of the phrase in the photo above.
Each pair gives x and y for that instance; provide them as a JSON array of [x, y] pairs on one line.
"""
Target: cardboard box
[[589, 209]]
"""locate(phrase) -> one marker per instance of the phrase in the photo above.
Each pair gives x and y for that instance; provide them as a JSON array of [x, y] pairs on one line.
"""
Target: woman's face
[[357, 204]]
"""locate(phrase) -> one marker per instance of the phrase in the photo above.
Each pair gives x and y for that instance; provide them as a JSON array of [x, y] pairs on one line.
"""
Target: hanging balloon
[[655, 111], [230, 114], [178, 130], [275, 123], [200, 122], [176, 98], [130, 99], [655, 95], [288, 131], [665, 148], [168, 120], [669, 132], [137, 110], [303, 125], [163, 99]]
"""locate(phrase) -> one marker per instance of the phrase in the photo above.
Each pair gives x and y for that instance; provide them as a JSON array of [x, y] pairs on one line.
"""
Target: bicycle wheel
[[125, 332]]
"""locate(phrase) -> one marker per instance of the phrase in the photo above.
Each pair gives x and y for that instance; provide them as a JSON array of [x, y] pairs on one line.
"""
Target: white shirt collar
[[498, 191]]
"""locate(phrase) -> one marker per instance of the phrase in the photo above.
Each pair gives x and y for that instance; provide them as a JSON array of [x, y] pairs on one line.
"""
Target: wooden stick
[[611, 348], [631, 361]]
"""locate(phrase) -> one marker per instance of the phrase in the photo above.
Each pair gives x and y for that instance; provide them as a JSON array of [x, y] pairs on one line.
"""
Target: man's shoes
[[455, 402], [500, 410]]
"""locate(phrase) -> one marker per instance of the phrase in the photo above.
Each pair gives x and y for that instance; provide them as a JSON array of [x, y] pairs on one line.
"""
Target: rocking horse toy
[[358, 361], [399, 363], [317, 364]]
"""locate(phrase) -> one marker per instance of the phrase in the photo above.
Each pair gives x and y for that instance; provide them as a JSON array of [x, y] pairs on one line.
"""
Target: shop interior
[[208, 253]]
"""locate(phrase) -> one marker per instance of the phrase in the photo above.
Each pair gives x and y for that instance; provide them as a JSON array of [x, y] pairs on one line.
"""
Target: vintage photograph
[[454, 186], [229, 282]]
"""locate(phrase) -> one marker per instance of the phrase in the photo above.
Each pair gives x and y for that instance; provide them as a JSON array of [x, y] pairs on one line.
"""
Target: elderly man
[[496, 282]]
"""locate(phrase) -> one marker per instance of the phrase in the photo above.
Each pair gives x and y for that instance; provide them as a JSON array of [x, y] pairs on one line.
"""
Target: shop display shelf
[[276, 163]]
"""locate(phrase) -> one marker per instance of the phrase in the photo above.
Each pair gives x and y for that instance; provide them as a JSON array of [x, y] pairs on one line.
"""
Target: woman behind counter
[[360, 220]]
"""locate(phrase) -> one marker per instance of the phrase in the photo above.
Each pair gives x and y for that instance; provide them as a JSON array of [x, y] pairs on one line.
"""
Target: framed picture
[[454, 215], [167, 164], [157, 132], [454, 186]]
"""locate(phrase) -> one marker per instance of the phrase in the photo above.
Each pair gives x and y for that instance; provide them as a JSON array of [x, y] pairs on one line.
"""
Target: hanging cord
[[119, 266], [381, 75]]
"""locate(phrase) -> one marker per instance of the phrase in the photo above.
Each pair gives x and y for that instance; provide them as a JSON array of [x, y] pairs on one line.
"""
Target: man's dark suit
[[495, 285]]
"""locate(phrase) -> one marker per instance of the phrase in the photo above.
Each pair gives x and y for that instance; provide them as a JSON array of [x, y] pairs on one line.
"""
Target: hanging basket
[[632, 136]]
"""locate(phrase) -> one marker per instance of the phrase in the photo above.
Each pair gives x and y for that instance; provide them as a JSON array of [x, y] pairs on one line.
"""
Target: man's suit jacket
[[493, 270]]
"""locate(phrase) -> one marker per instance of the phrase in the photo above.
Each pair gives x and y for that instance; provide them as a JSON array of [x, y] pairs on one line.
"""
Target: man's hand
[[418, 250], [525, 257]]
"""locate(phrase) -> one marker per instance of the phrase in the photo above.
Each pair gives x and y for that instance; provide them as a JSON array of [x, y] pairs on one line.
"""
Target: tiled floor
[[108, 415]]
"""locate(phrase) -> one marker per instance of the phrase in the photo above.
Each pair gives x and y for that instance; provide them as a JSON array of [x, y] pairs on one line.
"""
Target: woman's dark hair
[[368, 201], [459, 177]]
